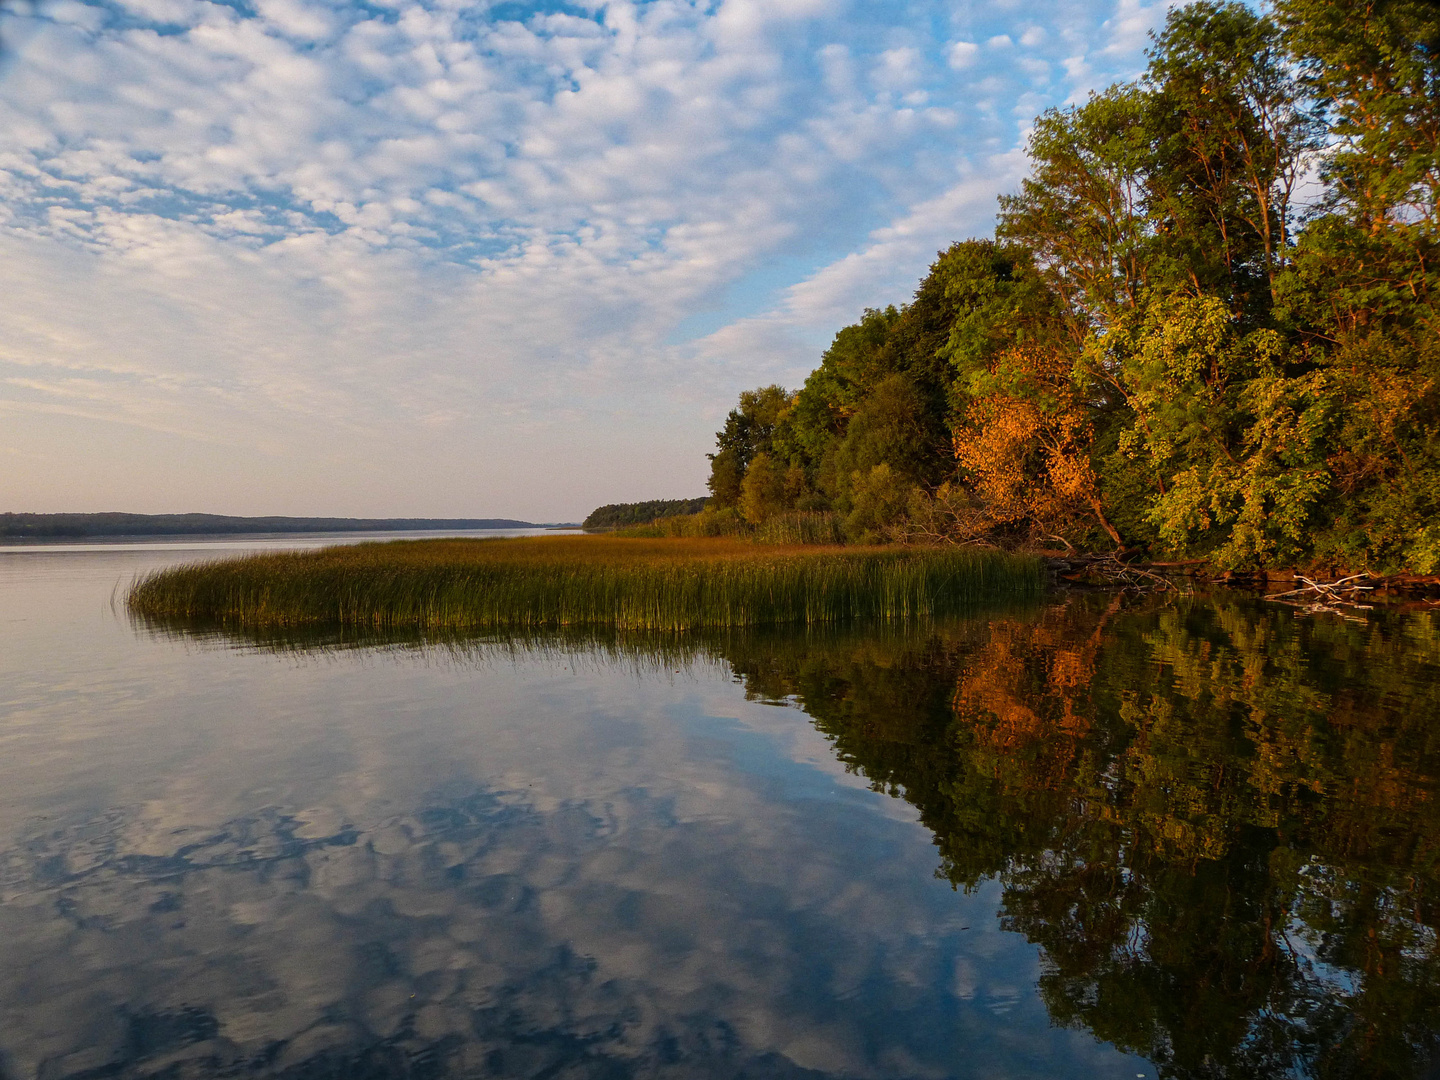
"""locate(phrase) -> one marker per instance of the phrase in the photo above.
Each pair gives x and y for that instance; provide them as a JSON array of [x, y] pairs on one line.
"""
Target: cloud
[[898, 69], [342, 222], [1130, 27], [963, 54]]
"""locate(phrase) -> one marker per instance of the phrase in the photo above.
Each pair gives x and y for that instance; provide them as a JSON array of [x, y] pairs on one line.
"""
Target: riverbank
[[665, 584]]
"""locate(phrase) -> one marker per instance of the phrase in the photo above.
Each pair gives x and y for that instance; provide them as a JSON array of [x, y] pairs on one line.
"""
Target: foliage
[[1242, 443], [749, 432], [709, 522], [1165, 346], [1232, 135], [1083, 212], [1374, 66], [878, 501], [1024, 443]]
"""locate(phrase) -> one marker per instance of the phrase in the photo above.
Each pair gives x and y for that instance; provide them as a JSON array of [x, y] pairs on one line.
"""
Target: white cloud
[[1129, 28], [898, 69], [963, 54]]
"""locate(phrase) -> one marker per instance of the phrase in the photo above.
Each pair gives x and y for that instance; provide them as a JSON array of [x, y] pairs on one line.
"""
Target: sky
[[479, 259]]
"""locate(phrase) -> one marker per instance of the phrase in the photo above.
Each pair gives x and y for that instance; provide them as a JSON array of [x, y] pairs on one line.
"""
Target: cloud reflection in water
[[506, 864]]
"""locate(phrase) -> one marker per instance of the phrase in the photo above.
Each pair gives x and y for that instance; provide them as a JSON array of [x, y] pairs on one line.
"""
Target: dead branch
[[1326, 595], [1109, 571]]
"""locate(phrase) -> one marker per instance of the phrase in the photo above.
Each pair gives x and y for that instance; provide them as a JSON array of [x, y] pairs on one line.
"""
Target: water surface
[[1090, 838]]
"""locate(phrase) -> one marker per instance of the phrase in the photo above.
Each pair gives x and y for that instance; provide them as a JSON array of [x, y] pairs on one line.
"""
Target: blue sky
[[459, 258]]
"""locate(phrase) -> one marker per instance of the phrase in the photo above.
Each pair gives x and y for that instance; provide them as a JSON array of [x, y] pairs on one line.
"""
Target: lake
[[1098, 836]]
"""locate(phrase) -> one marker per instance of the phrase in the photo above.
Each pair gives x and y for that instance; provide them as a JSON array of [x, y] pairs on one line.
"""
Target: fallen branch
[[1324, 594], [1112, 572]]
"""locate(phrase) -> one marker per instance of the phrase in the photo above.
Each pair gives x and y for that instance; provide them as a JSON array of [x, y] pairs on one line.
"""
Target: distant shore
[[72, 526]]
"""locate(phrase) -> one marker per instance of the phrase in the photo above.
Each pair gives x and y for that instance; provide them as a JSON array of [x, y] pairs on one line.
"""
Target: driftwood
[[1108, 571], [1327, 596]]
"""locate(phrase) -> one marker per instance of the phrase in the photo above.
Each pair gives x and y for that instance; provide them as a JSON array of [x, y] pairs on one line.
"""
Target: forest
[[1204, 327]]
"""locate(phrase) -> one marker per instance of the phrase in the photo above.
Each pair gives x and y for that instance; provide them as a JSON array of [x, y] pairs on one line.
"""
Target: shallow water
[[1090, 839]]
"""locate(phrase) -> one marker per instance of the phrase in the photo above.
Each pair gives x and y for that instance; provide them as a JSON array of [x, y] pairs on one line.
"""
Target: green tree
[[888, 428], [1241, 443], [1374, 66], [1362, 296], [1233, 134], [881, 378], [763, 492], [878, 498], [749, 430], [1083, 211]]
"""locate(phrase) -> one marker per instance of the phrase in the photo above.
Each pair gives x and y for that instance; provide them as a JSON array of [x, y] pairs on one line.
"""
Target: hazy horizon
[[418, 259]]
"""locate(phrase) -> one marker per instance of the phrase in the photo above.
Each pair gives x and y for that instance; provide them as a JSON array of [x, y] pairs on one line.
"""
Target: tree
[[1024, 443], [1241, 443], [888, 428], [1082, 212], [749, 430], [1362, 297], [1233, 135], [763, 491], [1374, 66]]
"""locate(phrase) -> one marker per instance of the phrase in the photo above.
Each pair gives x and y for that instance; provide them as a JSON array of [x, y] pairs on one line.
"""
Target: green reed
[[631, 584]]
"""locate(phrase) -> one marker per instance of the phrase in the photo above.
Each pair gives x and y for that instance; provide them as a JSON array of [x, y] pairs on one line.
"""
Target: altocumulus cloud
[[439, 257]]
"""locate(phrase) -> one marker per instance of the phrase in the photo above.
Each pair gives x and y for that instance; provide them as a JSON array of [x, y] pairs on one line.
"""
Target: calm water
[[1083, 839]]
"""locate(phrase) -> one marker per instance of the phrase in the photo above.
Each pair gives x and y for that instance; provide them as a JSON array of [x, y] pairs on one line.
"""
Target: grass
[[544, 582]]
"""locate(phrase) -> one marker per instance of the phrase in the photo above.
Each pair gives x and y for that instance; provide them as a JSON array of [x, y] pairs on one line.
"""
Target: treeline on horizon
[[621, 515], [1205, 325], [77, 525]]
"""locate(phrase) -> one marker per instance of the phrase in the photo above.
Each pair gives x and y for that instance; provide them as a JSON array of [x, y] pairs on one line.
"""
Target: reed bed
[[545, 582]]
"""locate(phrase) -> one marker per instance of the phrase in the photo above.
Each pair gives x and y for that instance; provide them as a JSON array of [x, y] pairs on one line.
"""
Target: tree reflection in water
[[1218, 819]]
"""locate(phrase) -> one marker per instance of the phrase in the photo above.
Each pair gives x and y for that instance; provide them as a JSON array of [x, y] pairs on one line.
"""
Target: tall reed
[[580, 581]]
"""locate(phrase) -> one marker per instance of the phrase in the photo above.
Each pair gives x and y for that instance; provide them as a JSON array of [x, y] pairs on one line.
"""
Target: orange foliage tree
[[1025, 442]]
